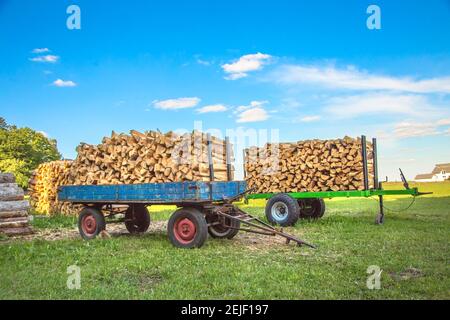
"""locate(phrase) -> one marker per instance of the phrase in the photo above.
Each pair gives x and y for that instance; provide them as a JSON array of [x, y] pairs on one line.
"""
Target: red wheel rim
[[89, 224], [184, 230]]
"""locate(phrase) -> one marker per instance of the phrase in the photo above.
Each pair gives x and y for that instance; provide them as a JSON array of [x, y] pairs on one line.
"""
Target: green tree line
[[23, 149]]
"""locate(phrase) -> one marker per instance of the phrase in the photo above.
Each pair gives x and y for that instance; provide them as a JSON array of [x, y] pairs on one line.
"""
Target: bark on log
[[13, 214], [7, 178], [15, 219], [8, 206], [13, 224], [17, 231], [10, 192]]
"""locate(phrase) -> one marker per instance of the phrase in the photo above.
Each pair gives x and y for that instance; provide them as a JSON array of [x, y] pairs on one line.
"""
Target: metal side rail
[[255, 225]]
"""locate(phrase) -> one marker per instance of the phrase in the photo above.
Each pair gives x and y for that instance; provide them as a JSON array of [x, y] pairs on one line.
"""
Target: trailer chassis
[[223, 214]]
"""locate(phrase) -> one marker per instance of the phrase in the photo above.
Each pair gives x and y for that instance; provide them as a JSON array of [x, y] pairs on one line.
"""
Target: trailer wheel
[[137, 221], [282, 209], [222, 231], [187, 228], [90, 223], [311, 208]]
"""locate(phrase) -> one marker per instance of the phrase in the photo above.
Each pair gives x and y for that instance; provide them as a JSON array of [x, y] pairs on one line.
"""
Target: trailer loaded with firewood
[[135, 158], [314, 171], [338, 168]]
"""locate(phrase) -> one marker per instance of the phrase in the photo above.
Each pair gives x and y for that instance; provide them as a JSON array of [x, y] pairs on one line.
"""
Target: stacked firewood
[[44, 184], [150, 157], [311, 165], [13, 208]]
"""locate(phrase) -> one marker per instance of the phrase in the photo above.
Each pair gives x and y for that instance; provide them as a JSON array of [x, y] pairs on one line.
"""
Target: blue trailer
[[203, 207]]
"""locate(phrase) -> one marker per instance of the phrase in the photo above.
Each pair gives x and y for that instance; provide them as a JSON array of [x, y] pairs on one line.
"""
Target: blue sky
[[307, 69]]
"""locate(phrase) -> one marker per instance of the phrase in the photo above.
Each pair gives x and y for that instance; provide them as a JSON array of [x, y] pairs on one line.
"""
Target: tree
[[19, 168], [3, 124], [23, 149]]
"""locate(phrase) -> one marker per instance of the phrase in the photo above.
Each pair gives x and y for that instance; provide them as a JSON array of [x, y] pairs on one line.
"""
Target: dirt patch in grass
[[409, 273], [246, 239], [145, 281]]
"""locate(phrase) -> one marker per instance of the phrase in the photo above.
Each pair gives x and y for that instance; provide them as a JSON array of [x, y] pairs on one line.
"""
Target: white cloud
[[213, 108], [240, 68], [309, 119], [64, 83], [236, 76], [253, 104], [253, 113], [379, 103], [203, 62], [290, 103], [443, 122], [353, 79], [174, 104], [408, 129], [48, 58], [40, 50], [414, 129], [45, 134]]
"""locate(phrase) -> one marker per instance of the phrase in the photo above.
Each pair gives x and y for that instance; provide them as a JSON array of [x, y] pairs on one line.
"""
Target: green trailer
[[286, 208]]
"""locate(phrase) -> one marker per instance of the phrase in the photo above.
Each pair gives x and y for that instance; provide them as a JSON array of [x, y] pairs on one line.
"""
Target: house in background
[[441, 172]]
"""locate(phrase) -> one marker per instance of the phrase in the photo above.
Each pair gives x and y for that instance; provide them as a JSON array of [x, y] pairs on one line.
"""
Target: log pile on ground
[[13, 208], [311, 165], [150, 157], [43, 187]]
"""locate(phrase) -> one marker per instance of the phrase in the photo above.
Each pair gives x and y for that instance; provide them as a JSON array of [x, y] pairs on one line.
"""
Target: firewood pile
[[311, 165], [43, 187], [13, 208], [151, 157]]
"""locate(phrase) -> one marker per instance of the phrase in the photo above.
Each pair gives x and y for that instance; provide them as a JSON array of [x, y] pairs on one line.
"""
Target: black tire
[[220, 231], [311, 208], [282, 209], [90, 223], [187, 228], [137, 221]]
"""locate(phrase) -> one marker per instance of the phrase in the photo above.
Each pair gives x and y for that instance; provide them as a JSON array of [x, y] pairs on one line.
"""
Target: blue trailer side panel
[[171, 192]]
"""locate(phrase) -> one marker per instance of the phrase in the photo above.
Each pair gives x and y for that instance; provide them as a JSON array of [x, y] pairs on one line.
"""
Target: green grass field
[[412, 249]]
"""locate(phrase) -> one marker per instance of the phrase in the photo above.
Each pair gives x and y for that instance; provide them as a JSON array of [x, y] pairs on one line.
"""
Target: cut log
[[10, 192], [8, 206], [13, 214], [15, 219], [7, 178], [17, 231], [14, 224]]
